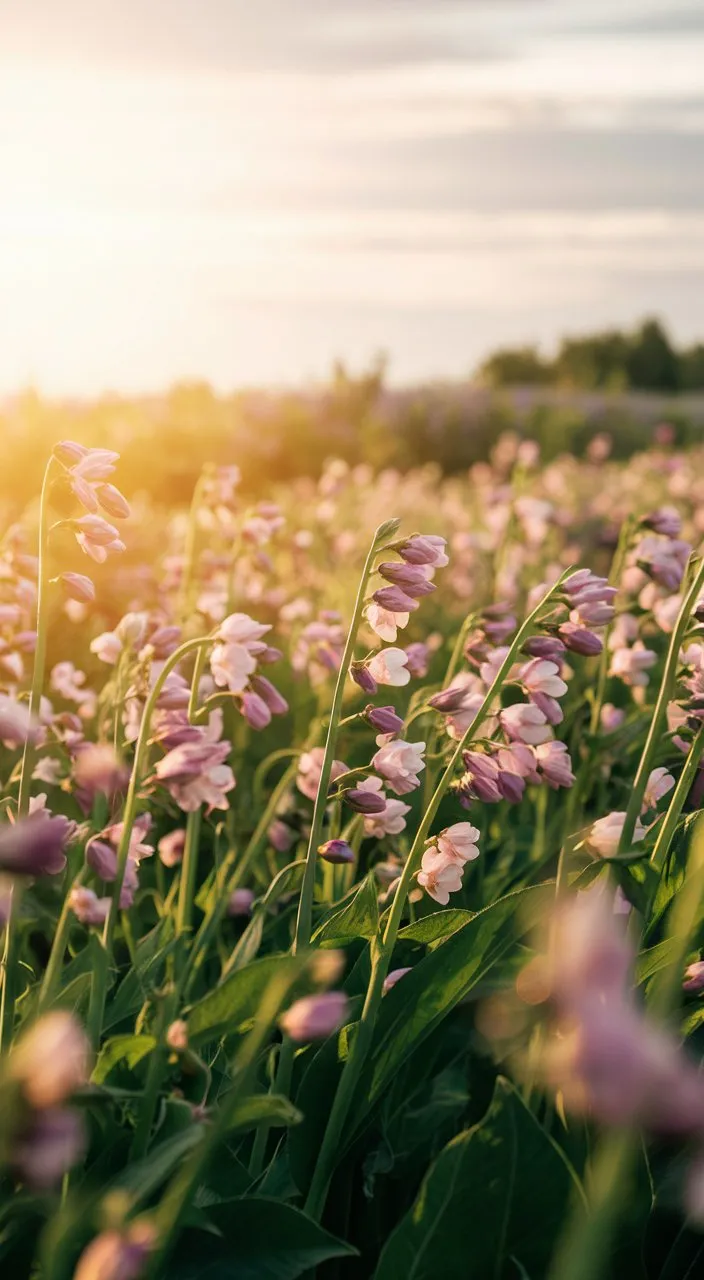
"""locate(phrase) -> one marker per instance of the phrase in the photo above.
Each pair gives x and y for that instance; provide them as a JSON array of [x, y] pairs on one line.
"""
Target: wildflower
[[78, 587], [363, 677], [102, 859], [269, 694], [50, 1143], [632, 664], [16, 723], [524, 722], [694, 977], [383, 719], [50, 1060], [458, 843], [255, 710], [418, 659], [196, 774], [336, 851], [657, 786], [389, 821], [234, 659], [542, 676], [96, 537], [399, 764], [385, 622], [611, 717], [107, 647], [550, 647], [315, 1017], [481, 779], [395, 600], [112, 501], [439, 876], [309, 767], [390, 666], [117, 1255], [97, 770], [605, 834], [554, 764], [88, 907], [580, 639], [240, 902], [393, 977], [364, 801], [35, 846], [426, 548], [171, 847], [281, 837], [664, 560]]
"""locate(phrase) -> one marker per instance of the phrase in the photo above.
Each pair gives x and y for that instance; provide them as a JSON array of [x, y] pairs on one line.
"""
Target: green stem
[[184, 611], [332, 1140], [58, 947], [128, 820], [677, 803], [157, 1066], [657, 723], [189, 873], [305, 907], [617, 564]]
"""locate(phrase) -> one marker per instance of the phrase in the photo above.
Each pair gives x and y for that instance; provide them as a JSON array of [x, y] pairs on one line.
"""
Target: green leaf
[[121, 1049], [263, 1240], [144, 975], [498, 1190], [656, 958], [264, 1108], [233, 1005], [146, 1176], [435, 927], [414, 1006], [248, 945], [359, 918]]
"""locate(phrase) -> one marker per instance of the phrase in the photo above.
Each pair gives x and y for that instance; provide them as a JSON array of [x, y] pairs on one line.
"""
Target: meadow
[[352, 866]]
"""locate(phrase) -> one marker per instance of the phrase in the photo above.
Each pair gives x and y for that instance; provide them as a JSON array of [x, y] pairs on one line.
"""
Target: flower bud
[[580, 639], [364, 801], [550, 647], [694, 977], [171, 847], [448, 700], [395, 976], [69, 452], [363, 677], [177, 1036], [255, 710], [52, 1142], [78, 587], [315, 1017], [102, 859], [112, 501], [34, 846], [395, 599], [50, 1060], [336, 851], [383, 719], [268, 692], [240, 902]]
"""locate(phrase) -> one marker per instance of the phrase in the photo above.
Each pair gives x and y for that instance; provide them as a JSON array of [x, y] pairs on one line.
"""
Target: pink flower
[[393, 977], [391, 820], [631, 664], [458, 843], [555, 765], [390, 666], [384, 622], [657, 786], [315, 1017], [234, 659], [78, 587], [426, 548], [107, 647], [694, 977], [309, 767], [240, 902], [542, 676], [117, 1255], [52, 1140], [605, 834], [88, 907], [439, 876], [611, 717], [399, 764], [525, 722], [51, 1059], [171, 847]]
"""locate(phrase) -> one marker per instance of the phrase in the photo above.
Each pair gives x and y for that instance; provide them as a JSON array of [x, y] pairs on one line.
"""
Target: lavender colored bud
[[694, 977], [69, 452], [363, 677], [112, 501], [550, 707], [420, 549], [240, 902], [255, 710], [383, 719], [550, 647], [666, 521], [402, 575], [418, 655], [394, 599], [275, 701], [164, 641], [580, 639], [336, 851], [511, 786], [364, 801], [34, 846], [281, 837], [269, 654], [53, 1141], [102, 859], [315, 1017], [395, 976], [78, 587], [448, 700]]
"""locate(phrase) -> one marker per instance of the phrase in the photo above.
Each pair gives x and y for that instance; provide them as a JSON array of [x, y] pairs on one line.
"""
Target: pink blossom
[[458, 843], [657, 786], [439, 876], [391, 820], [605, 834], [399, 764], [426, 548], [385, 622], [631, 665], [554, 763], [542, 676], [309, 768], [525, 722], [390, 666], [88, 907], [611, 717], [315, 1017]]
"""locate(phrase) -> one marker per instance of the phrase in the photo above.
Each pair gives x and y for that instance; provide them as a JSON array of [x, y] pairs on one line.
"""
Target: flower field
[[351, 873]]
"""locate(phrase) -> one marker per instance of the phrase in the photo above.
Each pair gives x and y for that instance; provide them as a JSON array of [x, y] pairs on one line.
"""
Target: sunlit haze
[[242, 192]]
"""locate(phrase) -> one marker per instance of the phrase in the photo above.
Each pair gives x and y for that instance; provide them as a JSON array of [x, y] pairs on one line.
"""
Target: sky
[[243, 192]]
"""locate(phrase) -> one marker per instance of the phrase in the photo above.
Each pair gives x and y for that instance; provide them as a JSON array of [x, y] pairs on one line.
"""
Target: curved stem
[[332, 1140], [657, 723]]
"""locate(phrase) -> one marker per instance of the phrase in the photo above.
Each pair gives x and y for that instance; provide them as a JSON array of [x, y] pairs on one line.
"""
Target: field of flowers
[[351, 874]]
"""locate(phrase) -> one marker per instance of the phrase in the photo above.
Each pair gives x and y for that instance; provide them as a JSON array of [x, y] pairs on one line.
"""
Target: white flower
[[458, 843], [439, 876], [385, 623], [542, 676], [390, 666], [526, 723], [657, 786], [232, 665], [399, 764]]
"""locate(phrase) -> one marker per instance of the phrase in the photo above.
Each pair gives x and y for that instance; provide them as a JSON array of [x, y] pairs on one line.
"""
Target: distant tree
[[595, 362], [692, 368], [653, 364], [515, 367]]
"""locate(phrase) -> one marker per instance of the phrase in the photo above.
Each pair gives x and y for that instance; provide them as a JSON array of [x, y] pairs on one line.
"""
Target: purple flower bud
[[363, 677], [52, 1142], [418, 655], [112, 501], [255, 710], [336, 851], [275, 701], [550, 647], [411, 579], [268, 655], [34, 846], [281, 837], [395, 976], [511, 786], [420, 549], [240, 902], [580, 639], [550, 707], [315, 1017], [102, 859], [78, 587], [383, 719], [364, 801], [666, 521], [164, 641], [394, 599], [448, 700], [694, 977]]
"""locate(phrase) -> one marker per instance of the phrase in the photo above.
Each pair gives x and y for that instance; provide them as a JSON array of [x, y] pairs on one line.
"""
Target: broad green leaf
[[262, 1240], [234, 1004], [650, 962], [288, 880], [144, 975], [145, 1176], [121, 1049], [497, 1191], [264, 1108], [248, 945], [435, 927], [359, 918]]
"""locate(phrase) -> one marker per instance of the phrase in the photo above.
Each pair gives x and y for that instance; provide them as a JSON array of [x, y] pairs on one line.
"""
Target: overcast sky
[[242, 190]]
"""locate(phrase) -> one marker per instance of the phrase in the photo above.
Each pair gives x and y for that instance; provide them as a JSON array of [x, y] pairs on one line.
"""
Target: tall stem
[[190, 550], [624, 542], [189, 868], [332, 1139], [10, 950], [657, 723]]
